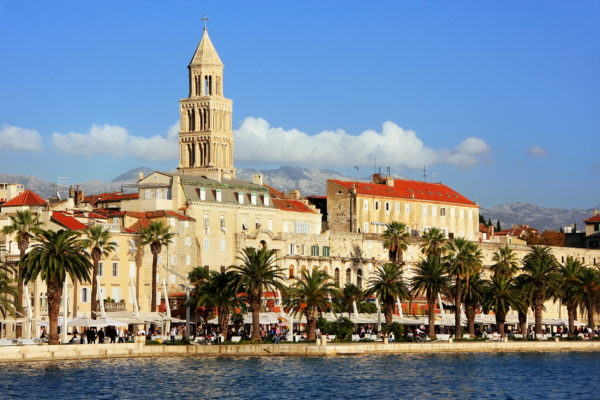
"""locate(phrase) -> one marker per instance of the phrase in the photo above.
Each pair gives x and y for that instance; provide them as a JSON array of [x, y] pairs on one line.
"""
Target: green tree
[[25, 224], [98, 240], [388, 285], [589, 293], [464, 259], [473, 294], [395, 239], [156, 236], [8, 292], [433, 242], [569, 286], [257, 273], [196, 277], [430, 278], [220, 293], [309, 296], [498, 226], [539, 280], [506, 262], [500, 297], [55, 256], [349, 295]]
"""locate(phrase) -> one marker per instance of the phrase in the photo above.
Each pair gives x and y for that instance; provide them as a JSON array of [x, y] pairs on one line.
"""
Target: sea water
[[572, 375]]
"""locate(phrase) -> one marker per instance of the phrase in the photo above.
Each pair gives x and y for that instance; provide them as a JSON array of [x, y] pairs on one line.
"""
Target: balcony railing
[[110, 306]]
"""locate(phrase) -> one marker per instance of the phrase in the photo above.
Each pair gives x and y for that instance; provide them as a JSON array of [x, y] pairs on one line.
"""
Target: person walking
[[172, 334], [101, 335], [277, 334]]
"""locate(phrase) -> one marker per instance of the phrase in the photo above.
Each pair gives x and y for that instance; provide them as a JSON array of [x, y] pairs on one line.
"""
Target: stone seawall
[[100, 351]]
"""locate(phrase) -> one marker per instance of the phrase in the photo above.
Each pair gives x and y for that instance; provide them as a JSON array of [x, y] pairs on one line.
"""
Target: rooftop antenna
[[424, 173], [388, 171], [434, 177], [61, 183], [356, 167], [375, 164]]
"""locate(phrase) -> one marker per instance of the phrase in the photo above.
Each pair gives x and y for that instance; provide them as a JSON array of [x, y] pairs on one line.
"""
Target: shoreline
[[137, 350]]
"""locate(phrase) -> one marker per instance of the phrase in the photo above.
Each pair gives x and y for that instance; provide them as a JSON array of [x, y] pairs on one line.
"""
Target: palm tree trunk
[[389, 313], [523, 322], [94, 302], [457, 302], [591, 309], [471, 320], [539, 304], [431, 314], [75, 297], [311, 322], [54, 296], [154, 267], [571, 309], [223, 321], [500, 319], [255, 320]]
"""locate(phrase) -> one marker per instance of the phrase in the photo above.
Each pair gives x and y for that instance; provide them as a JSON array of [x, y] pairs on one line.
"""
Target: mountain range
[[313, 181]]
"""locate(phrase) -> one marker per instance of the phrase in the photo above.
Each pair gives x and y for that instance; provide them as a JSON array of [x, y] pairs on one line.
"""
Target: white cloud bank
[[255, 140], [112, 140], [536, 151], [13, 138]]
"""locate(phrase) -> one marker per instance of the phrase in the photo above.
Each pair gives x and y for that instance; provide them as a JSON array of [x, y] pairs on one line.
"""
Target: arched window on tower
[[337, 276], [348, 275], [291, 272]]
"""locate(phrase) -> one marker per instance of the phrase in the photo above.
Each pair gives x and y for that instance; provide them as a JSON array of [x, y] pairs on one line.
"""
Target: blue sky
[[500, 99]]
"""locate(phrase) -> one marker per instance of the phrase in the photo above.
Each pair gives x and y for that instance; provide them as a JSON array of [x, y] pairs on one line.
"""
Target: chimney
[[140, 176], [388, 179], [71, 192], [377, 178], [257, 179], [595, 212]]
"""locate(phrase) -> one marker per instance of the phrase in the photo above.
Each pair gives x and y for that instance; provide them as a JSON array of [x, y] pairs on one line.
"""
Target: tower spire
[[205, 20]]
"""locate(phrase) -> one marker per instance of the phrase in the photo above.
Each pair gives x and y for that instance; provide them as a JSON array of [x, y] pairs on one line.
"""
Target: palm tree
[[589, 293], [25, 224], [349, 295], [570, 282], [196, 277], [395, 239], [7, 306], [387, 285], [257, 273], [472, 296], [219, 292], [539, 280], [309, 296], [55, 256], [98, 240], [464, 259], [433, 242], [430, 278], [500, 297], [506, 262], [156, 236]]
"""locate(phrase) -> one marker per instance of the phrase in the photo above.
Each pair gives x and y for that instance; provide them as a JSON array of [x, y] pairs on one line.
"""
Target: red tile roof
[[27, 198], [67, 221], [274, 193], [292, 205], [138, 226], [595, 218], [109, 197], [158, 214], [406, 189], [483, 228], [107, 213]]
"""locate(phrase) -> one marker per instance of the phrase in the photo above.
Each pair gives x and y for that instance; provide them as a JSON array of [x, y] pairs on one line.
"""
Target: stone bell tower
[[205, 135]]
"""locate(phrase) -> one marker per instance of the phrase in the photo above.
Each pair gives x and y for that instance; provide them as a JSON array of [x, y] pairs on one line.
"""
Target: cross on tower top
[[205, 19]]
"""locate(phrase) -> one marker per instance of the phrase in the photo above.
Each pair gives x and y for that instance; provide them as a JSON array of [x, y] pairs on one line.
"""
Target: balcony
[[113, 306]]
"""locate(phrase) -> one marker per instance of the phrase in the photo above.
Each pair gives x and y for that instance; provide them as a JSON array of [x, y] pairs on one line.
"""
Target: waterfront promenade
[[102, 351]]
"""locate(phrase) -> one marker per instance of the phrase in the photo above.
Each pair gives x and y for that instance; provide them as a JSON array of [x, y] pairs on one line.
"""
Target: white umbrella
[[85, 321], [106, 321]]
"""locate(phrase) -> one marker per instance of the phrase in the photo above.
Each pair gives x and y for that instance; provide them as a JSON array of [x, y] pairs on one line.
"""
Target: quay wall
[[103, 351]]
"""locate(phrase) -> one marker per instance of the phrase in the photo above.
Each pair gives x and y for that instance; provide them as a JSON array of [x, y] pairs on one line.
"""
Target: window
[[424, 210], [348, 275], [359, 278], [452, 212], [244, 224], [206, 223], [266, 200], [257, 223], [147, 194], [218, 195], [116, 294], [376, 205], [398, 208], [291, 249], [336, 276], [326, 251], [433, 211], [188, 242], [253, 199], [314, 250], [173, 260], [596, 227], [388, 206], [291, 272], [222, 245], [100, 268], [442, 212], [206, 244], [241, 197], [407, 208], [188, 260], [158, 193], [302, 227], [222, 221], [85, 295], [202, 194], [365, 204], [132, 269]]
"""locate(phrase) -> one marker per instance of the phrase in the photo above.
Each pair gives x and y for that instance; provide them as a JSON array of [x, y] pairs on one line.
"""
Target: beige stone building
[[8, 191], [363, 207]]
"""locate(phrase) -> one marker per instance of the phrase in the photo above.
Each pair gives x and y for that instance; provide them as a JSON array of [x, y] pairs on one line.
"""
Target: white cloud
[[255, 140], [112, 140], [13, 138], [536, 151]]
